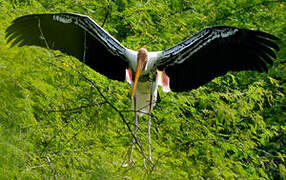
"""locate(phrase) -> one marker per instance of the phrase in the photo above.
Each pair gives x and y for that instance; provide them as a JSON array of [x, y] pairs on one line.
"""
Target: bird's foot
[[130, 161], [150, 159], [148, 162]]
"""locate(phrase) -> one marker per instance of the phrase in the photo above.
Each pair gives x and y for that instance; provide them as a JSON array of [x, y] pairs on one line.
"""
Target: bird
[[198, 59]]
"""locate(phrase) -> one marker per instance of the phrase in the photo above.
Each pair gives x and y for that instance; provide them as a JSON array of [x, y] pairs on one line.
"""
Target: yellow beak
[[140, 66]]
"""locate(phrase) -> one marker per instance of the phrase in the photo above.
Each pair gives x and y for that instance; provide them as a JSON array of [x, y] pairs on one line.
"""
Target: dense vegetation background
[[55, 123]]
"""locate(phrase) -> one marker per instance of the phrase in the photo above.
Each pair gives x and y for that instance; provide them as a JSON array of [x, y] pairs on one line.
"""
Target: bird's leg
[[135, 130], [149, 127]]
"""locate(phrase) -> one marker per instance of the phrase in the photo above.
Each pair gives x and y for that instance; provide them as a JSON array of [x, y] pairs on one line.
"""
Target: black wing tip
[[8, 33], [266, 35], [12, 28], [265, 39], [20, 21]]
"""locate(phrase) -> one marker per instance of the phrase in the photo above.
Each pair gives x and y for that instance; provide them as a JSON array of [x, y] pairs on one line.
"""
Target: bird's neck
[[146, 76]]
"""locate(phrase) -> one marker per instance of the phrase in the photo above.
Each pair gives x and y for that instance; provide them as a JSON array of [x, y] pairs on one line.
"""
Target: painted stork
[[188, 65]]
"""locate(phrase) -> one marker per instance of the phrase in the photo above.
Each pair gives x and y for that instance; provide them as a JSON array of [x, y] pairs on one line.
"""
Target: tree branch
[[107, 14]]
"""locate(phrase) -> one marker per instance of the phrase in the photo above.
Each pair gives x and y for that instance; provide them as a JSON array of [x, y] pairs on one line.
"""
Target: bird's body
[[142, 96], [148, 81], [188, 65]]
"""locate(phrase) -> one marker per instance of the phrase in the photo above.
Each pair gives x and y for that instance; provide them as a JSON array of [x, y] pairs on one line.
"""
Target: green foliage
[[55, 124]]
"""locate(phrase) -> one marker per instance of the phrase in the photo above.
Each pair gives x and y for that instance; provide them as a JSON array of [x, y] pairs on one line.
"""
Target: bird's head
[[142, 58]]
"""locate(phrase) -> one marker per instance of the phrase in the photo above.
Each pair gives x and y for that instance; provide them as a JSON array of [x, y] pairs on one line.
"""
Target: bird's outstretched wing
[[213, 52], [74, 34]]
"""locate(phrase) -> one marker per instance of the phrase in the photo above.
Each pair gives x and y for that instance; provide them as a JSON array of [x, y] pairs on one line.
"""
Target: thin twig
[[106, 15], [50, 140], [69, 140]]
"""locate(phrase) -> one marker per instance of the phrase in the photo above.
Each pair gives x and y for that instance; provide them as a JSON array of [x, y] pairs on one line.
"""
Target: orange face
[[142, 58]]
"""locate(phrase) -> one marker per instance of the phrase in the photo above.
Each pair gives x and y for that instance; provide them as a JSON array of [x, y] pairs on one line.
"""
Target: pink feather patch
[[129, 75], [164, 81]]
